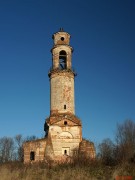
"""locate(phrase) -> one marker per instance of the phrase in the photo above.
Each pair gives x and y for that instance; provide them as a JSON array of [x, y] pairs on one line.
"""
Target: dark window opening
[[65, 152], [62, 38], [62, 60], [65, 122], [32, 155], [64, 106]]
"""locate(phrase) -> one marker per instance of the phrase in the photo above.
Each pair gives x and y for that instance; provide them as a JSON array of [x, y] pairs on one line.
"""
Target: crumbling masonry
[[63, 128]]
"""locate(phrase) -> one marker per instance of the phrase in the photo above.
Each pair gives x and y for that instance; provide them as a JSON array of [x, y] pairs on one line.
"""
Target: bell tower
[[63, 128]]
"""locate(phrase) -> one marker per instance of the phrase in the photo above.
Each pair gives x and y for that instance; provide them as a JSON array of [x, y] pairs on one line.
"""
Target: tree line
[[122, 149]]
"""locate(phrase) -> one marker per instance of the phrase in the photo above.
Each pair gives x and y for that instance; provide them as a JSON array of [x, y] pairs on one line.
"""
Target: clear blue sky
[[103, 37]]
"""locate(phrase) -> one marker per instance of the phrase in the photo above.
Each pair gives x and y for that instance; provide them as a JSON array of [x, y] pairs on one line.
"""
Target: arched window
[[62, 60], [65, 122]]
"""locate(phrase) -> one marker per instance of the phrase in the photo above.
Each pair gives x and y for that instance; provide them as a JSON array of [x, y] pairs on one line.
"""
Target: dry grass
[[40, 171]]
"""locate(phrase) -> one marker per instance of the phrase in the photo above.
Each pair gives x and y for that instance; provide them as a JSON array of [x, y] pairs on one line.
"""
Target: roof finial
[[61, 29]]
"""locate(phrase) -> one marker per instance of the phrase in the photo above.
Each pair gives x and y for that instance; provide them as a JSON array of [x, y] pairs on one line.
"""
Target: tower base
[[63, 141]]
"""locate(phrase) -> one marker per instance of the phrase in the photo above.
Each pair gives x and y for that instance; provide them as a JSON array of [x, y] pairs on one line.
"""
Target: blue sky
[[103, 37]]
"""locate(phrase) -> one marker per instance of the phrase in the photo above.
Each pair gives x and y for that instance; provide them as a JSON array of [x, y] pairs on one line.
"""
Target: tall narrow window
[[64, 106], [65, 152], [62, 60], [32, 155]]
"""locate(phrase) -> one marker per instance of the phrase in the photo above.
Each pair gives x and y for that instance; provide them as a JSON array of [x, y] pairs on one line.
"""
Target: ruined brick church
[[63, 129]]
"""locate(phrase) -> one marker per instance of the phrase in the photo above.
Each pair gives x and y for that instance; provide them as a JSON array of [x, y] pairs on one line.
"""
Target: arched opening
[[65, 122], [62, 60], [66, 151], [32, 155]]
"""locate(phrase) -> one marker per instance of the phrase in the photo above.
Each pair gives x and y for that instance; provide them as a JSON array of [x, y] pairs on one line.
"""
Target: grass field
[[41, 171]]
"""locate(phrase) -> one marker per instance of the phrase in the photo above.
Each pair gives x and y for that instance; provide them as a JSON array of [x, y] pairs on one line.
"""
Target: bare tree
[[106, 151], [6, 149], [125, 141], [19, 143], [30, 138]]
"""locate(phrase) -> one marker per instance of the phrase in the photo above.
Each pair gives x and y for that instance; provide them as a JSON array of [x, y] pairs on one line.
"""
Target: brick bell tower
[[63, 129]]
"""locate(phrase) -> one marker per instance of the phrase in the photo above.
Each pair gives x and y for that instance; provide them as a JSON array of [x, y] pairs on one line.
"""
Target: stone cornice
[[61, 72]]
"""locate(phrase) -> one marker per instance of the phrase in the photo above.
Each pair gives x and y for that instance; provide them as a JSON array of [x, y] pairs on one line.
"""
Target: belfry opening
[[62, 60]]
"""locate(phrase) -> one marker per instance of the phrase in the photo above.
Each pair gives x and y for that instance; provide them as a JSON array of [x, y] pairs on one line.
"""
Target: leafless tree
[[6, 149], [106, 151], [12, 148], [19, 143], [125, 141], [30, 138]]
